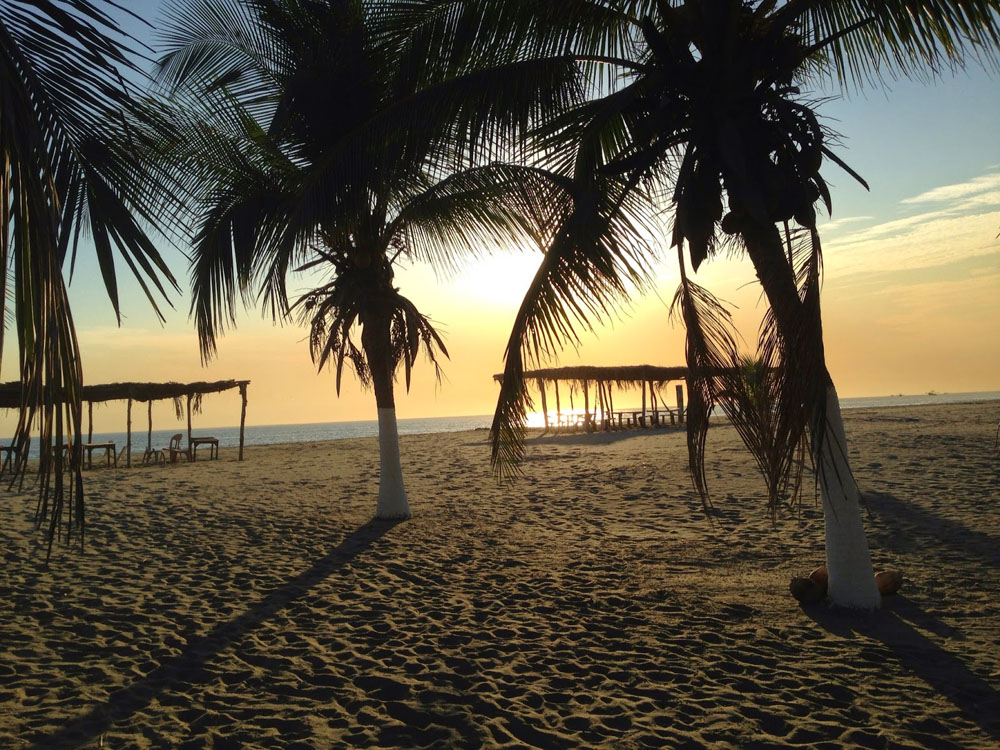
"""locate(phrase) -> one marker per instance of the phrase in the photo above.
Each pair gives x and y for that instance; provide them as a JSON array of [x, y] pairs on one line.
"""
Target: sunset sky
[[911, 296]]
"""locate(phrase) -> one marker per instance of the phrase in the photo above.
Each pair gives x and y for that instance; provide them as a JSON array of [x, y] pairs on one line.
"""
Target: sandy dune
[[591, 604]]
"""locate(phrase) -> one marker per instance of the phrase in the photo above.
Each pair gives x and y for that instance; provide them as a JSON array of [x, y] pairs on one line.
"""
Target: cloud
[[928, 239], [835, 224], [896, 227], [957, 221], [983, 184]]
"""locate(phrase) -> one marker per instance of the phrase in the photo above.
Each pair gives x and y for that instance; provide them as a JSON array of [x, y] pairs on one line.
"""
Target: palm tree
[[699, 101], [68, 168], [286, 148]]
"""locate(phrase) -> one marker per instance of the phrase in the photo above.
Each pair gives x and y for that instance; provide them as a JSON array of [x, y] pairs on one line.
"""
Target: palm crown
[[286, 144]]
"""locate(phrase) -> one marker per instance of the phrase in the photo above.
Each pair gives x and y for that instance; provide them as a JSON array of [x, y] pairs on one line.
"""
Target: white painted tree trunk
[[848, 561], [392, 501]]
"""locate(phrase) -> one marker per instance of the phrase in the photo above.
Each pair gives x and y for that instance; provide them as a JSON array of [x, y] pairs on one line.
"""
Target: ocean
[[303, 433]]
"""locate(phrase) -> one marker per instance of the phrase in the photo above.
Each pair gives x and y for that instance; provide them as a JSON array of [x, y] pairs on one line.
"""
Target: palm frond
[[487, 209], [335, 309], [595, 259], [903, 37], [70, 169], [221, 43], [441, 36], [711, 349]]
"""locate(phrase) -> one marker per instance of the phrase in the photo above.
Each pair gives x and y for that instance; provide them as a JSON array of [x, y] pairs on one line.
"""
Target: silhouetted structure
[[645, 377], [10, 398]]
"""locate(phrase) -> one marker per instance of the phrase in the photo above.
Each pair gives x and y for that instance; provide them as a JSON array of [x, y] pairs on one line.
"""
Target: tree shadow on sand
[[903, 519], [187, 665], [598, 437], [896, 625]]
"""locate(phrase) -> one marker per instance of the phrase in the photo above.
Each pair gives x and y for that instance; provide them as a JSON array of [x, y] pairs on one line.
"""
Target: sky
[[911, 296]]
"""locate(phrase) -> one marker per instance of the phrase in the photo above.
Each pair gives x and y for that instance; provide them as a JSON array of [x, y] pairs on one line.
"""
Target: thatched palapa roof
[[621, 375], [10, 393]]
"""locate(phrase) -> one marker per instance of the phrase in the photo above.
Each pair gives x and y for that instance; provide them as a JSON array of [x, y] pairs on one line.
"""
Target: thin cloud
[[921, 241], [893, 228], [955, 215], [982, 184], [835, 224]]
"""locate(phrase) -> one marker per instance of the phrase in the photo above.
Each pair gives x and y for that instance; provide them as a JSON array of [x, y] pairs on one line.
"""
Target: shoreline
[[590, 603], [229, 434]]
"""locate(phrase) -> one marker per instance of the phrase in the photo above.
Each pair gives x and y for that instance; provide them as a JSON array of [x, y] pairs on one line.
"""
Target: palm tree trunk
[[848, 559], [392, 502]]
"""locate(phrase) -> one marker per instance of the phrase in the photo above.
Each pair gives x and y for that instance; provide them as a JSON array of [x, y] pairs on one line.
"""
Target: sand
[[591, 604]]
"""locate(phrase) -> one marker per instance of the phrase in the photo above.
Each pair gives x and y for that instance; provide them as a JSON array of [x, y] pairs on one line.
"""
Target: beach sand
[[590, 604]]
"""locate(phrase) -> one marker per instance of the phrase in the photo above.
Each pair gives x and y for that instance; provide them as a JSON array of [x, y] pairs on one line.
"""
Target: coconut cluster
[[812, 590]]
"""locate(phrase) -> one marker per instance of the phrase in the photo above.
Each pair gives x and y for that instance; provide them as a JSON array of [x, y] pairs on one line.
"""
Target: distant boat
[[931, 393]]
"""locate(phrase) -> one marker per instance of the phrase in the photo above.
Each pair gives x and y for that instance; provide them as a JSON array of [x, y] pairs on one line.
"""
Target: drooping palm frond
[[70, 169], [771, 398], [710, 350], [334, 311], [594, 260], [778, 403]]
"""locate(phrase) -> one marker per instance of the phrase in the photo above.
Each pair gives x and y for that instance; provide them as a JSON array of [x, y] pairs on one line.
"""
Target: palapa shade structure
[[623, 376], [10, 398]]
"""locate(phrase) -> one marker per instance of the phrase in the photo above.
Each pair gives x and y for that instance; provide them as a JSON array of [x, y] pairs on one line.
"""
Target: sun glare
[[500, 279]]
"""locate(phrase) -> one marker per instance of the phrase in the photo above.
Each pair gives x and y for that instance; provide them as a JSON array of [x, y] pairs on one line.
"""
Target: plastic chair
[[175, 450]]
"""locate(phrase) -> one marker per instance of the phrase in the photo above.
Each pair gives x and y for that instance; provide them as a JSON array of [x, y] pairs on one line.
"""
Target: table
[[109, 452], [211, 442]]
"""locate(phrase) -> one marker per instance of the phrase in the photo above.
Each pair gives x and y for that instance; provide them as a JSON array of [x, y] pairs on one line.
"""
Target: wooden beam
[[90, 421], [128, 436], [149, 430], [558, 410], [586, 403], [189, 425], [545, 408], [680, 404]]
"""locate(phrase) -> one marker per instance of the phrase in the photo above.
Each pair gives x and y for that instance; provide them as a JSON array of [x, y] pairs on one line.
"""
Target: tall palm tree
[[699, 101], [286, 147], [68, 169]]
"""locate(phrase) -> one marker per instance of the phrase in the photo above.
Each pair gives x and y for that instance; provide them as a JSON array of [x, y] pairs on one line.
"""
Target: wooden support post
[[545, 408], [90, 421], [680, 404], [128, 437], [189, 425], [600, 402], [243, 415], [586, 403], [149, 429], [611, 403], [656, 411], [643, 401], [75, 445], [558, 409]]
